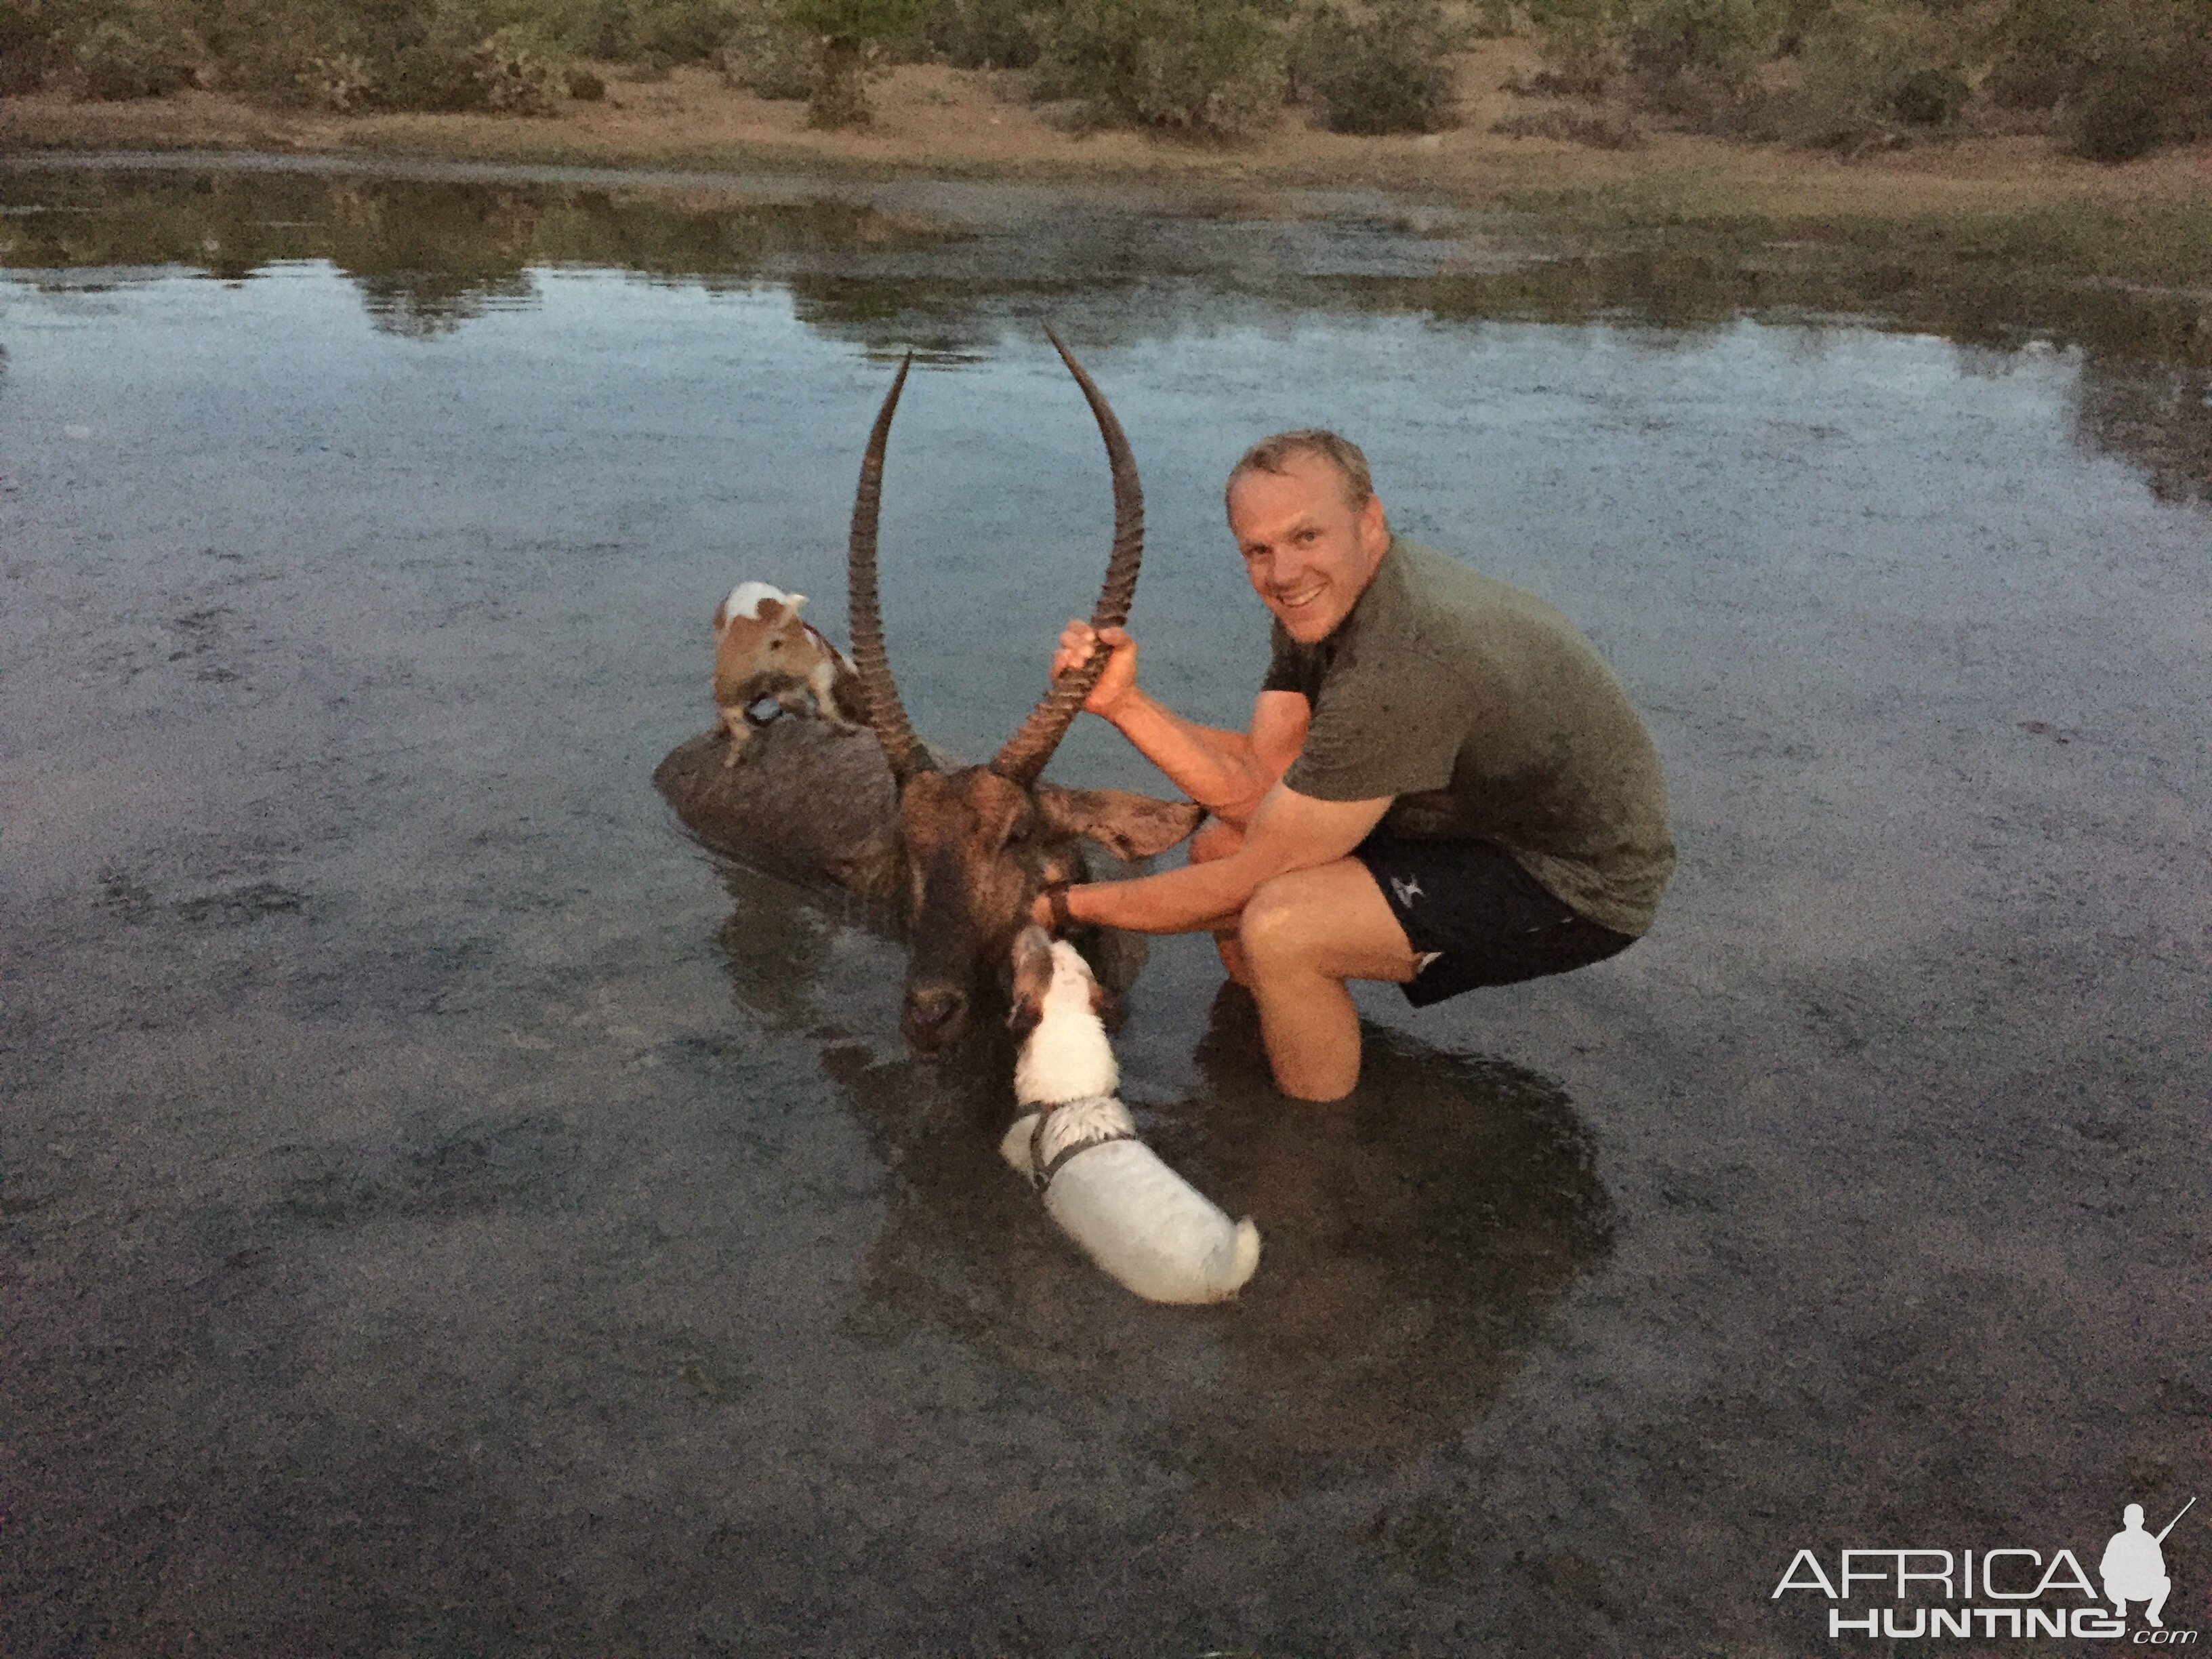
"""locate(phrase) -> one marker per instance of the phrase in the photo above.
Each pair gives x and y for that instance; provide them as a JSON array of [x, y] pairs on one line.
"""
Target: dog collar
[[1041, 1173]]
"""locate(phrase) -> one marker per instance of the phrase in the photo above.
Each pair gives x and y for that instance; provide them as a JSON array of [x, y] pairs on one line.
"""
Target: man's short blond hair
[[1274, 455]]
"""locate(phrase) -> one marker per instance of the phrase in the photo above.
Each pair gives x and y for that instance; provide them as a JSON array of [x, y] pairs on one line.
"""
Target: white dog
[[1133, 1216]]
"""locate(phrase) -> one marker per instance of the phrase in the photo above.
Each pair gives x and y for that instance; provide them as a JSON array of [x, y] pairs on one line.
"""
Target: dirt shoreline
[[949, 123]]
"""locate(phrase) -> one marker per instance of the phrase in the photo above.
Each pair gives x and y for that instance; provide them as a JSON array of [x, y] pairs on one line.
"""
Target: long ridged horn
[[1028, 748], [886, 713]]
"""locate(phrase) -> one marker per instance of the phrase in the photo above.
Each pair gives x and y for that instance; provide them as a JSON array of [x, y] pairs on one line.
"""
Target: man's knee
[[1277, 927]]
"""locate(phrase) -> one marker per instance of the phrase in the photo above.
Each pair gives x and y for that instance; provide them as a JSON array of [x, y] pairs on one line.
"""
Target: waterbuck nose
[[935, 1017]]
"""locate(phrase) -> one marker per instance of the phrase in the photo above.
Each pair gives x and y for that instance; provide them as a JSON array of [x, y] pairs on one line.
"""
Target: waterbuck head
[[972, 846]]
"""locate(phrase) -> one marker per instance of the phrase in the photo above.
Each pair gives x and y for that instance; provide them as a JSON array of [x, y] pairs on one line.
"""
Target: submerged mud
[[443, 1210]]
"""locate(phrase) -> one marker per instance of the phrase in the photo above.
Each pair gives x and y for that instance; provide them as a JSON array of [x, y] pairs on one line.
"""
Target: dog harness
[[1041, 1173]]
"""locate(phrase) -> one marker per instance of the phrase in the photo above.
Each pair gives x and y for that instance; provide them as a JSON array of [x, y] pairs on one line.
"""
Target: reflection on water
[[2157, 416], [1413, 1236], [426, 257]]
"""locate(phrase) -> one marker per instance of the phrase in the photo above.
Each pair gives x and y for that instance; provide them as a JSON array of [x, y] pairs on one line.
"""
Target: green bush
[[839, 97], [1491, 20], [1387, 71], [290, 52], [2043, 52], [32, 33], [679, 31], [1930, 97], [1209, 68], [640, 33], [2126, 76], [1872, 71], [983, 34], [584, 86], [2118, 123], [135, 59], [851, 34], [768, 54], [505, 55], [440, 68], [1726, 39], [1580, 44], [519, 72], [2149, 79], [340, 80], [1695, 59]]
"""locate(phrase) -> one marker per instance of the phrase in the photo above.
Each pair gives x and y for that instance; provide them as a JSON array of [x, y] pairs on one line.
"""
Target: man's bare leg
[[1303, 935], [1218, 839]]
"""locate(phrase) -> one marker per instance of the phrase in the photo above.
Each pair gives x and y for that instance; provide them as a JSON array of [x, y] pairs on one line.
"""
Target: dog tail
[[1246, 1261]]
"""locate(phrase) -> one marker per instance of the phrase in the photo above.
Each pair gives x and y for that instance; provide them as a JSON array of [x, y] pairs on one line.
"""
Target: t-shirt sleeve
[[1387, 728], [1292, 667]]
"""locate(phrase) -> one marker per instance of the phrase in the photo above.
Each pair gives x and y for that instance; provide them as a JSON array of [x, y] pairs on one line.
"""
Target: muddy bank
[[443, 1211]]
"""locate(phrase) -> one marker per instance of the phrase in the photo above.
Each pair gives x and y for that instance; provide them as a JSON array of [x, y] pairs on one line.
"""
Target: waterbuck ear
[[1130, 827], [875, 869]]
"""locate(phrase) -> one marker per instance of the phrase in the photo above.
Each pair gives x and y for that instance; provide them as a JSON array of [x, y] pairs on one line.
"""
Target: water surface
[[446, 1211]]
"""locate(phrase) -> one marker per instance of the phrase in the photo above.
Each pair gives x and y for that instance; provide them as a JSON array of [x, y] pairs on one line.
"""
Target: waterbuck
[[960, 853]]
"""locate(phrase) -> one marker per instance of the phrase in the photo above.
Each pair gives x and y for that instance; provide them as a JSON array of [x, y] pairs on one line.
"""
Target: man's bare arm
[[1225, 772], [1290, 832]]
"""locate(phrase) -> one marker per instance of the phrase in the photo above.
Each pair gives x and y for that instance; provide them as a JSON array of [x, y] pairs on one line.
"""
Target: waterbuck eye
[[1018, 827]]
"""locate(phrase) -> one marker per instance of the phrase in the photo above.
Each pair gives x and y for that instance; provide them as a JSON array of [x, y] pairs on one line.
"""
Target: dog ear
[[1111, 1011], [1031, 963]]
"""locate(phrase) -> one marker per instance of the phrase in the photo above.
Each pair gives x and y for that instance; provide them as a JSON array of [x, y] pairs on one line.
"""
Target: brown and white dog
[[1133, 1216], [762, 650]]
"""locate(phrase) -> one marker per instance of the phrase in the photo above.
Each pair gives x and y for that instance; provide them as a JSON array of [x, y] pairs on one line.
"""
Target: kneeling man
[[1443, 784]]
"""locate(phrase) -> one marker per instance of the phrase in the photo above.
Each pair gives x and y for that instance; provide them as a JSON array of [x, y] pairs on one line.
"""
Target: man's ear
[[1374, 532], [875, 869], [1130, 827]]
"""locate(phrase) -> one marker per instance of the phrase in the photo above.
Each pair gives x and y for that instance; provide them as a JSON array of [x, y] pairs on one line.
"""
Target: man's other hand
[[1078, 642]]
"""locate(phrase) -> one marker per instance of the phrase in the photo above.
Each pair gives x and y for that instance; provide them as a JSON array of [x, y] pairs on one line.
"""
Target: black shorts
[[1487, 920]]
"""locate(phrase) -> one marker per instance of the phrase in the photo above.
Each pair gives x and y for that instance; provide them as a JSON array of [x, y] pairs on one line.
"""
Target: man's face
[[1307, 552]]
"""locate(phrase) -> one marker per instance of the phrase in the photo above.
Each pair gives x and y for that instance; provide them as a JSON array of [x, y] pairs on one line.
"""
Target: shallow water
[[446, 1211]]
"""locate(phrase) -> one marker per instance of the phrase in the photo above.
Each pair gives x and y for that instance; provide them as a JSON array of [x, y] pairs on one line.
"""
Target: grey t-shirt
[[1490, 718]]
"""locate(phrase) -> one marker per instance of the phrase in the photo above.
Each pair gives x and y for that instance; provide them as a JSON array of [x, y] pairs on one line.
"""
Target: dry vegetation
[[1645, 114]]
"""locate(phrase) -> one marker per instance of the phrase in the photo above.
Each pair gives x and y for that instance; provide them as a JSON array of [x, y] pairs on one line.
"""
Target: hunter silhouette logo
[[2134, 1567], [2021, 1593]]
